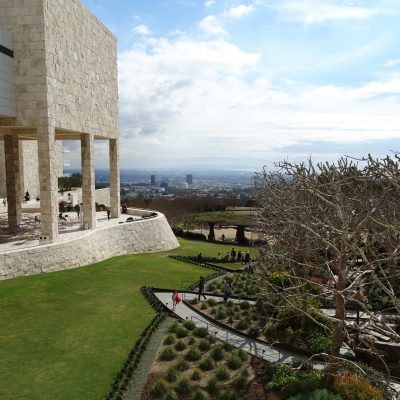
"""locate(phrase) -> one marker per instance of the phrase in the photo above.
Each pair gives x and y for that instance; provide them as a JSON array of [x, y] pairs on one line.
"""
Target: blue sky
[[241, 84]]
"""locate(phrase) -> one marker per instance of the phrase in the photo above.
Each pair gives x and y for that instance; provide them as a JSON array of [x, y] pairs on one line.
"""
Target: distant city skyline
[[239, 85]]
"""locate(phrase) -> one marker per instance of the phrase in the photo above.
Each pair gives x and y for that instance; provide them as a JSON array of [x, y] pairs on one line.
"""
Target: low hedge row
[[193, 260]]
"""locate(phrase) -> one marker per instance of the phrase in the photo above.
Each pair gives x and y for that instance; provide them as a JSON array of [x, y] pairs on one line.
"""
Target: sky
[[228, 84]]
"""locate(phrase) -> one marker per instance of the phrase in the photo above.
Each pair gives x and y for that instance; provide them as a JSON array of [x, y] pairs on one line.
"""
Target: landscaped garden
[[65, 335]]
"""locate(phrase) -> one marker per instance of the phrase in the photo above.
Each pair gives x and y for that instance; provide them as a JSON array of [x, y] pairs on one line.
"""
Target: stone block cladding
[[7, 79], [143, 236], [81, 70]]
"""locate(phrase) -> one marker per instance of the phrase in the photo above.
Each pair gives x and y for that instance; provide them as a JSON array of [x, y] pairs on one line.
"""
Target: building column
[[114, 178], [88, 182], [13, 183], [48, 183]]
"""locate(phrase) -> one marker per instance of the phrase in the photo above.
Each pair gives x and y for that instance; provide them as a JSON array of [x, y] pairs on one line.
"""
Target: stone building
[[58, 81]]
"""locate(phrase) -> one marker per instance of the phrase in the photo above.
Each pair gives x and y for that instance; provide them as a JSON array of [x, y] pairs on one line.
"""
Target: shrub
[[351, 388], [234, 362], [200, 332], [171, 395], [207, 364], [200, 395], [228, 347], [170, 339], [196, 376], [236, 308], [211, 339], [230, 304], [159, 389], [193, 354], [218, 353], [242, 355], [182, 366], [320, 344], [245, 373], [194, 301], [319, 394], [173, 327], [213, 311], [211, 302], [172, 374], [213, 386], [204, 306], [192, 341], [204, 345], [240, 383], [221, 314], [222, 374], [245, 305], [167, 354], [290, 382], [242, 325], [184, 386], [211, 287], [189, 325], [229, 394], [181, 332], [180, 345]]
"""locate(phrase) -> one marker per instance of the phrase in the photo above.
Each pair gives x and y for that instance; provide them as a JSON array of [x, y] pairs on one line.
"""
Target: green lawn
[[193, 248], [65, 335]]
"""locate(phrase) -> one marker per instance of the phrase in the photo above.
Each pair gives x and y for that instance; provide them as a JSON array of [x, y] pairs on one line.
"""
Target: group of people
[[176, 297], [240, 256]]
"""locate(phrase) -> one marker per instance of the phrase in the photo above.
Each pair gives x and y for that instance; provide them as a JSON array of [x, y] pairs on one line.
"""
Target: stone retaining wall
[[142, 236]]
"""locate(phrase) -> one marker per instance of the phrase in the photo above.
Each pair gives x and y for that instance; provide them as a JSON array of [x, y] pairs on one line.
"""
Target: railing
[[225, 335]]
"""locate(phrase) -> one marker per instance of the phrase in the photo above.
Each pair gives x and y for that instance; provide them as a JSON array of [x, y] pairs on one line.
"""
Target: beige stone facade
[[65, 85], [148, 235]]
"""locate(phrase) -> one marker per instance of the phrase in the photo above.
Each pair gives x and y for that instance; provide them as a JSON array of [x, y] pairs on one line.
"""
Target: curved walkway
[[253, 347]]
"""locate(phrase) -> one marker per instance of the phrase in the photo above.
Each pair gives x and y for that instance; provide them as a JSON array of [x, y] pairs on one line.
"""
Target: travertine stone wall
[[3, 189], [7, 78], [25, 19], [82, 70], [129, 238]]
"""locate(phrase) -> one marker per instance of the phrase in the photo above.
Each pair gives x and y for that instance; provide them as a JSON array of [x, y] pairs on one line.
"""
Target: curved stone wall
[[141, 236]]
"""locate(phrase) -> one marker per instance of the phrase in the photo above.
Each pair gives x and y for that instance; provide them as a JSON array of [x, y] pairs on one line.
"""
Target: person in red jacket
[[176, 299]]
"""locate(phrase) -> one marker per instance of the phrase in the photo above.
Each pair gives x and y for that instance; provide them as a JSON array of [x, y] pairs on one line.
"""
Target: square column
[[114, 178], [13, 182], [88, 182], [48, 183]]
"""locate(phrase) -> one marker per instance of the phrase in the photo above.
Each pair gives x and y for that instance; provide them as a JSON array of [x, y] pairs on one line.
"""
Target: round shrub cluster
[[167, 354], [194, 354], [180, 345]]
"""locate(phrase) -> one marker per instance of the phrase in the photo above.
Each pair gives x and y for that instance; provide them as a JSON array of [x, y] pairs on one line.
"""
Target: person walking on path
[[78, 210], [108, 213], [227, 290], [233, 254], [176, 299], [201, 288]]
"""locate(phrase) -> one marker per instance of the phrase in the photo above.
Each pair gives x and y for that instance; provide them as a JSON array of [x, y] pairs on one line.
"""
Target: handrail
[[219, 329]]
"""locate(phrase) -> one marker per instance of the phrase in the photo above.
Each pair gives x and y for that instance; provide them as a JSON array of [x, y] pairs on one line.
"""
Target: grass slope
[[65, 335]]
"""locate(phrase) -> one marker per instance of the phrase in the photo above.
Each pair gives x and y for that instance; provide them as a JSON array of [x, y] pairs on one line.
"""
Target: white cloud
[[141, 30], [209, 3], [392, 63], [193, 101], [320, 11], [212, 26], [240, 11]]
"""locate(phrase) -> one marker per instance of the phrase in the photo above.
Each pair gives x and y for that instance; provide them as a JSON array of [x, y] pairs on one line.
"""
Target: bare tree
[[332, 229]]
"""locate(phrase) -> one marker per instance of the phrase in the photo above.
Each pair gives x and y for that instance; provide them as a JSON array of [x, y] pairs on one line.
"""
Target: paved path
[[250, 346]]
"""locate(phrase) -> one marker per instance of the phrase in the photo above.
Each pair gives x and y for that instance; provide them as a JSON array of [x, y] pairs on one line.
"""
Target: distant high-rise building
[[189, 179], [152, 180]]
